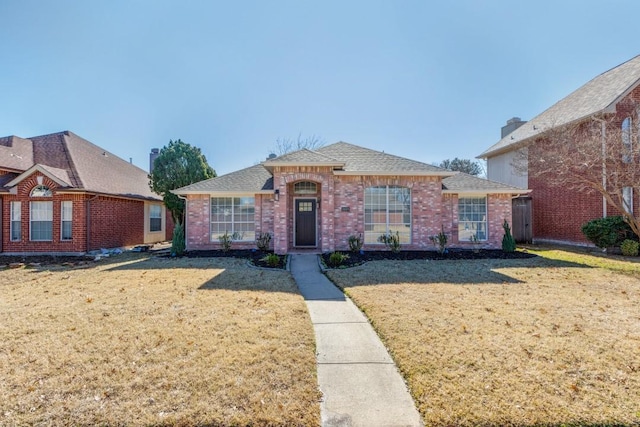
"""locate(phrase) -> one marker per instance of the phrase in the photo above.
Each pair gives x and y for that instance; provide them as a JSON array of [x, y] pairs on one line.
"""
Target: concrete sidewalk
[[361, 385]]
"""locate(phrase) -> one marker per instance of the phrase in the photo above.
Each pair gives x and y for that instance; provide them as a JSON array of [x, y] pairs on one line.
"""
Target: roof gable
[[360, 160], [75, 163], [303, 157], [599, 95], [59, 176]]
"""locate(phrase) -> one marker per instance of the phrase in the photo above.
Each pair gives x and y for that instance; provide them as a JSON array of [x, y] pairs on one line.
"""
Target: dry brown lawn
[[148, 341], [543, 341]]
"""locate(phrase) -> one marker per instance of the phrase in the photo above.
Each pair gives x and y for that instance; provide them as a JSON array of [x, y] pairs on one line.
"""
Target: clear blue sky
[[421, 79]]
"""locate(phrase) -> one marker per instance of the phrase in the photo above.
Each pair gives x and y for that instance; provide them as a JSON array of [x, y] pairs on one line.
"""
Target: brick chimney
[[152, 158], [512, 124]]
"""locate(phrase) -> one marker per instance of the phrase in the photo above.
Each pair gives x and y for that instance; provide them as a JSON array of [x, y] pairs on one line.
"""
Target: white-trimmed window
[[627, 141], [234, 216], [41, 191], [155, 218], [627, 199], [66, 220], [16, 221], [305, 187], [387, 210], [41, 221], [472, 218]]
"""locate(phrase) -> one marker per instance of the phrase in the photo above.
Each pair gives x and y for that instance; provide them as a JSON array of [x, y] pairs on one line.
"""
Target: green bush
[[629, 247], [272, 260], [177, 241], [355, 242], [608, 232], [337, 258], [508, 242]]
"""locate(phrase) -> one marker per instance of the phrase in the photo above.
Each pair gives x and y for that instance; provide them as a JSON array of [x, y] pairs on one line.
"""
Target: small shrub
[[508, 242], [227, 239], [475, 241], [392, 241], [629, 247], [272, 260], [337, 258], [355, 243], [177, 241], [607, 232], [440, 241], [262, 241]]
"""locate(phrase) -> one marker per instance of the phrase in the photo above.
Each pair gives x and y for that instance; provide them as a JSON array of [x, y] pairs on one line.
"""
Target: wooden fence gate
[[521, 220]]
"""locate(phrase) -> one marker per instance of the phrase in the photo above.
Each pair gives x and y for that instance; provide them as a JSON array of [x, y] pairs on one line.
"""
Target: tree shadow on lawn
[[227, 273], [459, 272]]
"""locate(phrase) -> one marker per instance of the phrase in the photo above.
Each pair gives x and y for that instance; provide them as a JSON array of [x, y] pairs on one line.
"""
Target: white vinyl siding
[[16, 221], [41, 221], [66, 220]]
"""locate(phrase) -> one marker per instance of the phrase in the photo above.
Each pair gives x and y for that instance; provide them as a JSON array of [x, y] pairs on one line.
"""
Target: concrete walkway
[[361, 385]]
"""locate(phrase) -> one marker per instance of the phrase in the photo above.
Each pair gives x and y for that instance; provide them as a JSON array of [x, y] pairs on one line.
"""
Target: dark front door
[[305, 222]]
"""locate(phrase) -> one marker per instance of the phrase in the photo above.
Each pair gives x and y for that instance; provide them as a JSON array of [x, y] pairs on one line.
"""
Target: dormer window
[[41, 191]]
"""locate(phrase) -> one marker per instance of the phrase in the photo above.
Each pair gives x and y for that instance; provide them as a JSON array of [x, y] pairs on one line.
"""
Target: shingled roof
[[599, 95], [75, 163], [465, 183], [346, 159]]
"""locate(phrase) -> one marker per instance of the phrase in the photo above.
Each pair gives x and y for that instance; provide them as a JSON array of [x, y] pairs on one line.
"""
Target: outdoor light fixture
[[276, 195]]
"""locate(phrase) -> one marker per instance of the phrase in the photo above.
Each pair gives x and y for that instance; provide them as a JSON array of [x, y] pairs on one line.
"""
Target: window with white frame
[[387, 210], [155, 218], [41, 191], [305, 187], [472, 218], [16, 221], [234, 216], [627, 199], [66, 220], [41, 221], [627, 144]]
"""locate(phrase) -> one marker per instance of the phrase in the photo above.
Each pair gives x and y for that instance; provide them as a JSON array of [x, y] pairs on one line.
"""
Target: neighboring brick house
[[557, 214], [317, 199], [61, 194]]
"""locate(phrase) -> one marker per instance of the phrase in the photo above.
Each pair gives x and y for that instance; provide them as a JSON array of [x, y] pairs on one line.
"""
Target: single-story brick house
[[317, 199], [61, 194], [608, 104]]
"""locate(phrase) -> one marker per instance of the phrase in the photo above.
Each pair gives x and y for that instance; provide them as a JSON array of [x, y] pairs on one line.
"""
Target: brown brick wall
[[559, 213], [199, 223], [431, 212], [115, 222]]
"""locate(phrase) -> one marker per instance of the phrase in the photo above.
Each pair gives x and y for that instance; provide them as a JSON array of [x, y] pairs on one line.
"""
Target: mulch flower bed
[[257, 258], [358, 258]]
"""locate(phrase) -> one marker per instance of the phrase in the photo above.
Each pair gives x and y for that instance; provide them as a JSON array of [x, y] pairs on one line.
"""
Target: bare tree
[[600, 155], [287, 145]]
